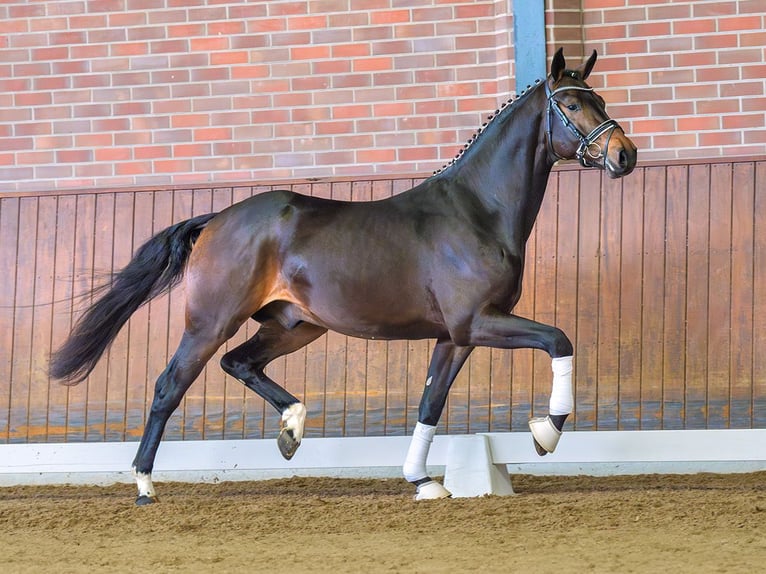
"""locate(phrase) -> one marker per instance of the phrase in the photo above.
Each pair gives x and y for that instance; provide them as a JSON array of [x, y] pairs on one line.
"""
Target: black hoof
[[287, 443], [540, 450], [144, 500]]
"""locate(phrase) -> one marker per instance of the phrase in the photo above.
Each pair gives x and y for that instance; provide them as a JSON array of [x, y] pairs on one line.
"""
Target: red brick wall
[[687, 79], [106, 93], [138, 92]]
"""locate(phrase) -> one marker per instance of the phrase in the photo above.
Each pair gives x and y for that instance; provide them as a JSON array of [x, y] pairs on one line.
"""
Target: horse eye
[[573, 107]]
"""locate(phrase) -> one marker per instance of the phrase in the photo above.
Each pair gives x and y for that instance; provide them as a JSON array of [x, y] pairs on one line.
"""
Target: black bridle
[[588, 152]]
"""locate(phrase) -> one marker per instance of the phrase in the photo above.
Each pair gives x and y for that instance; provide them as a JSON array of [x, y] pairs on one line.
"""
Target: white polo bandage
[[415, 463], [562, 401]]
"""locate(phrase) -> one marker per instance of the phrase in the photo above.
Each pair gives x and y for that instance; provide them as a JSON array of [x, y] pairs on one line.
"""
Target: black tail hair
[[156, 267]]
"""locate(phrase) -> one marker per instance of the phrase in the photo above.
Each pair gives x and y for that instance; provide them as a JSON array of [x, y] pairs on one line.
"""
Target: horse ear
[[588, 66], [558, 65]]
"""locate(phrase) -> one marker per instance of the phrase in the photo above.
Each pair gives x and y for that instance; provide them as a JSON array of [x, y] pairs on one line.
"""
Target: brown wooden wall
[[659, 279]]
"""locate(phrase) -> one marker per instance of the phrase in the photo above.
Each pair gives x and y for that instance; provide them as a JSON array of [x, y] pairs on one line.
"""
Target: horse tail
[[157, 266]]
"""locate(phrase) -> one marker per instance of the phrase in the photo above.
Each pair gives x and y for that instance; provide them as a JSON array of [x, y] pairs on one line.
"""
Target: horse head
[[577, 125]]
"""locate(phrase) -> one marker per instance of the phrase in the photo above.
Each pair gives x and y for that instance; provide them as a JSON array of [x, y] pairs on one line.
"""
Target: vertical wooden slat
[[720, 287], [136, 384], [61, 310], [697, 297], [24, 322], [587, 298], [759, 298], [567, 283], [741, 379], [653, 281], [607, 381], [117, 356], [9, 236], [675, 284], [44, 264], [82, 283], [631, 262]]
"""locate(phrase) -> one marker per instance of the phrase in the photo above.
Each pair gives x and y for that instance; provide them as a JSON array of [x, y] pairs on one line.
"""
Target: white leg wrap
[[293, 418], [415, 464], [144, 484], [562, 401]]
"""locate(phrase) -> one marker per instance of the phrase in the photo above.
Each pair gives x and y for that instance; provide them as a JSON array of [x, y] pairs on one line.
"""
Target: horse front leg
[[446, 361], [495, 329]]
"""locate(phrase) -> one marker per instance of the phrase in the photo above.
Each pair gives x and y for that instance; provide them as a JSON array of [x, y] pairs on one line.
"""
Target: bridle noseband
[[588, 149]]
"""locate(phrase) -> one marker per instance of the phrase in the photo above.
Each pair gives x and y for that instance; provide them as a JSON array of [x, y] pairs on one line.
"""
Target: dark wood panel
[[659, 280]]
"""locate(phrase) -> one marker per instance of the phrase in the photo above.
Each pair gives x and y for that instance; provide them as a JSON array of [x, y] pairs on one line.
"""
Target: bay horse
[[441, 261]]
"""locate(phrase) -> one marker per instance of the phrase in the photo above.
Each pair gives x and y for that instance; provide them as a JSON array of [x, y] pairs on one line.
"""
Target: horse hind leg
[[190, 358], [248, 361]]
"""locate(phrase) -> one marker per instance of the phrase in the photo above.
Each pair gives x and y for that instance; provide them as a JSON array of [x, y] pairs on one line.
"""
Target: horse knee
[[560, 345]]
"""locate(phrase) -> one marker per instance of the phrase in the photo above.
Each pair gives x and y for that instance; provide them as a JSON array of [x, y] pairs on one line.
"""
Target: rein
[[588, 149]]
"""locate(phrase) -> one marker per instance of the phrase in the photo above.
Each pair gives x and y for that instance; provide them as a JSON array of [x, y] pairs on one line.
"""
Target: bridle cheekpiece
[[588, 152]]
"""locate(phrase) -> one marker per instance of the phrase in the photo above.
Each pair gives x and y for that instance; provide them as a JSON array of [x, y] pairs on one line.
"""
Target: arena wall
[[657, 278]]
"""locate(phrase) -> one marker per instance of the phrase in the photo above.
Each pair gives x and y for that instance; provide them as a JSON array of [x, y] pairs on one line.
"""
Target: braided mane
[[490, 121]]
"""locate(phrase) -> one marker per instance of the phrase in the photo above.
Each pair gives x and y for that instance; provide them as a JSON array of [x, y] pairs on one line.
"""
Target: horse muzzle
[[620, 157]]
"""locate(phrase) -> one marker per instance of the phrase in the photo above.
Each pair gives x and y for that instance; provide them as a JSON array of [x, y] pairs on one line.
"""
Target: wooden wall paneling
[[697, 297], [158, 349], [720, 289], [61, 310], [42, 319], [137, 383], [631, 264], [759, 298], [180, 426], [608, 352], [82, 283], [23, 323], [117, 356], [741, 379], [567, 285], [653, 280], [103, 259], [675, 284], [9, 239], [588, 294]]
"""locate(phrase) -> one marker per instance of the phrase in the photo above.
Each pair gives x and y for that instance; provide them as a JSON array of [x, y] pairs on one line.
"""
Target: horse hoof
[[544, 434], [432, 491], [144, 500], [287, 443]]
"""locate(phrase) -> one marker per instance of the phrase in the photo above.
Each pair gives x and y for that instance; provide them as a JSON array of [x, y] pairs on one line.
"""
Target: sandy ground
[[654, 523]]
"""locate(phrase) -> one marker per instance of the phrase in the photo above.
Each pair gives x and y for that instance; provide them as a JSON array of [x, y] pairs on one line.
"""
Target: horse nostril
[[623, 159]]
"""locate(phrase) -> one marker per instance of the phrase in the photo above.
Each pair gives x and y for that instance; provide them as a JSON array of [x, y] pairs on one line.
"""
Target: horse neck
[[508, 166]]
